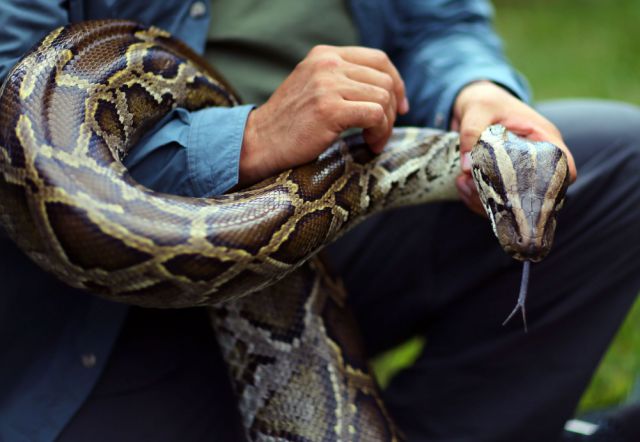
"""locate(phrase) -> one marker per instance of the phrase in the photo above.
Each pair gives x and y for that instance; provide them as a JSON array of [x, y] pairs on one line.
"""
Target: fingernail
[[466, 162], [404, 107]]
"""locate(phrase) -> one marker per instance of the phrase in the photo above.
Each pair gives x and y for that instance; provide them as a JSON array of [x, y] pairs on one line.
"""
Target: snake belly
[[72, 108]]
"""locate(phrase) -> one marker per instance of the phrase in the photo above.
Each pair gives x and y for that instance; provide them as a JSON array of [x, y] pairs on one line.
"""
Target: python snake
[[72, 108]]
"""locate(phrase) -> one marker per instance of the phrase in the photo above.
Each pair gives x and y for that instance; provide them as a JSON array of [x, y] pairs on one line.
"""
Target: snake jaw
[[522, 185]]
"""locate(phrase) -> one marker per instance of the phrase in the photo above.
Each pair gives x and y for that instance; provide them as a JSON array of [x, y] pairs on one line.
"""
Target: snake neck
[[417, 166]]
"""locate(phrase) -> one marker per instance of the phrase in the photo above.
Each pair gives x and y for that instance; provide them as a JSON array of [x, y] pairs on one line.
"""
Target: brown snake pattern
[[69, 112]]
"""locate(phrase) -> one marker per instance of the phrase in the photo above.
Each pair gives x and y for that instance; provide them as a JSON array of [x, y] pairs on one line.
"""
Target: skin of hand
[[331, 90], [483, 103]]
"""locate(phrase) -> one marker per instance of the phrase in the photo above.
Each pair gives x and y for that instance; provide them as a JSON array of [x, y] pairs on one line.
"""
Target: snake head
[[522, 185]]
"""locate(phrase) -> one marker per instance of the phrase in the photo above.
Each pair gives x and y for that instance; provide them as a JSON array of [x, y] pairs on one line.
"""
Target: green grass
[[571, 48]]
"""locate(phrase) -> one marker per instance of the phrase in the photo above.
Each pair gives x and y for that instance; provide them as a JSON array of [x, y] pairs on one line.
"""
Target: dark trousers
[[435, 271], [438, 271]]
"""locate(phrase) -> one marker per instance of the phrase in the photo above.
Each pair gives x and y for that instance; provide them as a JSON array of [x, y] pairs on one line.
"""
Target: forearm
[[446, 46]]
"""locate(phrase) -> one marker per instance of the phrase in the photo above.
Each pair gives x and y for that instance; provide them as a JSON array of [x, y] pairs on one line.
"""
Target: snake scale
[[72, 108]]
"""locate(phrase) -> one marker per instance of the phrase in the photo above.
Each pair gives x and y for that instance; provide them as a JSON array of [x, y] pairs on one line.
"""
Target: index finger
[[377, 59]]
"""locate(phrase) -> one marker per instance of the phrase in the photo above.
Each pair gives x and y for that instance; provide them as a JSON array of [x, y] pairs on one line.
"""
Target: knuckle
[[376, 114], [319, 49], [484, 101], [470, 133], [318, 84], [386, 81], [326, 62], [379, 56], [323, 106], [383, 95], [302, 64], [391, 119]]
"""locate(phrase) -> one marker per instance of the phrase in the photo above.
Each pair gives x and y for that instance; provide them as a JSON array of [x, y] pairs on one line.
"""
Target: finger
[[355, 91], [472, 125], [469, 194], [365, 74], [376, 137], [376, 140], [366, 115], [455, 124], [471, 206], [369, 116], [377, 59], [371, 77]]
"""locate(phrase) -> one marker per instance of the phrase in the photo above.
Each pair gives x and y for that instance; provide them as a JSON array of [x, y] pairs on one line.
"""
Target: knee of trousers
[[590, 126], [603, 205], [623, 126], [624, 132], [604, 137], [625, 141]]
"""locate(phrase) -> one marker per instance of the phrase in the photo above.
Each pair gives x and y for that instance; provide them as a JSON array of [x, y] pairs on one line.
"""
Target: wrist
[[249, 153], [469, 93]]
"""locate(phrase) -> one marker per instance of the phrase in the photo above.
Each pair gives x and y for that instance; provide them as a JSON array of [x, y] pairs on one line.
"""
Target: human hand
[[331, 90], [484, 103]]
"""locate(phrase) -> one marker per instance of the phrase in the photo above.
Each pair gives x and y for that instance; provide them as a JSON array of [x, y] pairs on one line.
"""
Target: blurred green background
[[583, 48], [573, 48]]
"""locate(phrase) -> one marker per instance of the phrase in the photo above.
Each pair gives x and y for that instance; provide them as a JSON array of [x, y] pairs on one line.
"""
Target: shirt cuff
[[191, 153], [214, 144]]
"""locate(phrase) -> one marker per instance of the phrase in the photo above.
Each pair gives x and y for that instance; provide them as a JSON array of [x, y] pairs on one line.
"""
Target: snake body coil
[[71, 110]]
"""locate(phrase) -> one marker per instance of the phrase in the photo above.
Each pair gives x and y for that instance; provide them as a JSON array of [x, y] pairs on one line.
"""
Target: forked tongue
[[522, 296]]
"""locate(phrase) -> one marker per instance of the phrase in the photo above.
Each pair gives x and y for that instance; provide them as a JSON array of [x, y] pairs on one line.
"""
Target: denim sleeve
[[443, 46], [192, 153], [22, 24]]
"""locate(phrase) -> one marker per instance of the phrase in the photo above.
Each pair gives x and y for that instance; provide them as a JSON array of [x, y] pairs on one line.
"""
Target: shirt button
[[88, 360], [198, 9]]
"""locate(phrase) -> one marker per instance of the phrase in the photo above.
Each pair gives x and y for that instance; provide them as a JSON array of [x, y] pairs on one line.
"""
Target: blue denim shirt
[[54, 341]]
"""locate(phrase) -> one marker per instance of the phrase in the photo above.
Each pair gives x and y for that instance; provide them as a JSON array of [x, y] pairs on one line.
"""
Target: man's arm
[[333, 89], [457, 77], [442, 46], [483, 103]]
